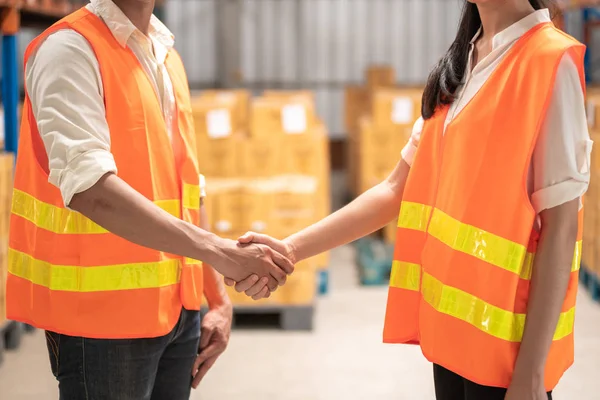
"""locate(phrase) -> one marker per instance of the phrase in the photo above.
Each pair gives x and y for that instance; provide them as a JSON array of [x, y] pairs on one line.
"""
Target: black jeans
[[127, 369], [450, 386]]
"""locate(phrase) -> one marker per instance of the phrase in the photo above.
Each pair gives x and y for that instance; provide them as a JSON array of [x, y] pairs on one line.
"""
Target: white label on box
[[223, 226], [258, 226], [402, 110], [294, 119], [591, 113], [218, 123]]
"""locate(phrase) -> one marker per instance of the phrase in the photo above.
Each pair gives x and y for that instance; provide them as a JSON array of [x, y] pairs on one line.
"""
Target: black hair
[[449, 72]]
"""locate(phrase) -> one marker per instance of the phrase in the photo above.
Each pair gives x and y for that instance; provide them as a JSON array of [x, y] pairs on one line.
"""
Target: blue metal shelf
[[10, 92]]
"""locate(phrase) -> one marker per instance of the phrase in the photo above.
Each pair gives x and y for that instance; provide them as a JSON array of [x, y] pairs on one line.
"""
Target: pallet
[[374, 261], [285, 317]]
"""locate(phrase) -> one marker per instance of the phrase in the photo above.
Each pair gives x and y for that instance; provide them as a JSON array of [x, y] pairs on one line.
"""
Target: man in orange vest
[[105, 237]]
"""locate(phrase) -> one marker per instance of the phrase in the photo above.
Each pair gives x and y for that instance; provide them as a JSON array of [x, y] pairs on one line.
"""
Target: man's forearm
[[368, 213], [114, 205], [549, 283]]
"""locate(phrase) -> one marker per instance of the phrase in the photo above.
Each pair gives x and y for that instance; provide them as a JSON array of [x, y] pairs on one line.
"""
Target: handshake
[[256, 264]]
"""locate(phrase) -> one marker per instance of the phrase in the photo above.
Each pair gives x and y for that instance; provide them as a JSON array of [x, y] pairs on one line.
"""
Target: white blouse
[[67, 98], [560, 167]]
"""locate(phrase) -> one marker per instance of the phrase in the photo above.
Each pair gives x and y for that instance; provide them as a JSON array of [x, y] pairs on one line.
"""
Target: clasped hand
[[260, 286]]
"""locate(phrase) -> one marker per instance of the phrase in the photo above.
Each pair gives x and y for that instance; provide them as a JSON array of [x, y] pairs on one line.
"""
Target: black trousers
[[450, 386]]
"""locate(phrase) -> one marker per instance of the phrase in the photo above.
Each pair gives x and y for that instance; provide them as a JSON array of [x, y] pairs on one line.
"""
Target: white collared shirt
[[67, 97], [560, 167]]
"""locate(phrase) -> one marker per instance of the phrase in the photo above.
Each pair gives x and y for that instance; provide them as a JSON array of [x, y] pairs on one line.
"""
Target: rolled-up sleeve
[[202, 185], [64, 85], [561, 158], [410, 149]]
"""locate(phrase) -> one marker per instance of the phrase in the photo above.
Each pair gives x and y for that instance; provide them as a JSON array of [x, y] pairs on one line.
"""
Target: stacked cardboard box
[[6, 184], [379, 120], [591, 231], [266, 161]]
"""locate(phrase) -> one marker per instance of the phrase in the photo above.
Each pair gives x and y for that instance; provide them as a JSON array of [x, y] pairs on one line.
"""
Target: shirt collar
[[122, 28], [518, 29]]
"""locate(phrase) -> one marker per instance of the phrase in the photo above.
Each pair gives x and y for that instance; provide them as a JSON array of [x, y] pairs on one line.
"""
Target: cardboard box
[[393, 107], [295, 205], [277, 116], [221, 198], [321, 261], [215, 117], [389, 232], [380, 76], [593, 106], [376, 154], [301, 286], [306, 154], [381, 142], [261, 157], [241, 104], [258, 205], [356, 104], [220, 157]]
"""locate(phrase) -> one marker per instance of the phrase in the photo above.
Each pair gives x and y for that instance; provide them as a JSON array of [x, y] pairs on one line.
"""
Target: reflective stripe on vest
[[486, 317], [62, 220], [94, 279], [471, 240]]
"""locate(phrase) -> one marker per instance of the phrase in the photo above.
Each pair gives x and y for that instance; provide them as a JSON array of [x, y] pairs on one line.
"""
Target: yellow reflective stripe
[[62, 220], [191, 196], [528, 264], [191, 261], [486, 246], [576, 264], [170, 206], [405, 275], [484, 316], [476, 242], [414, 216], [93, 279]]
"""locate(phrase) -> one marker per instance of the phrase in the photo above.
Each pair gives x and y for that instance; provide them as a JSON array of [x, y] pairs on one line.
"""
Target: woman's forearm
[[368, 213], [549, 283], [214, 288]]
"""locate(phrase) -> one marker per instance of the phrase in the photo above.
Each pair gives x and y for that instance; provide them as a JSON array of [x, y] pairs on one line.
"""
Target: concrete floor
[[342, 359]]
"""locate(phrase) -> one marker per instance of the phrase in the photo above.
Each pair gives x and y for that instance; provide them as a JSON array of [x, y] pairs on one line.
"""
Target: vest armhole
[[575, 51]]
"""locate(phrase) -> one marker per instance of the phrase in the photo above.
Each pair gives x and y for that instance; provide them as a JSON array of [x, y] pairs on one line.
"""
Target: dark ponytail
[[448, 74]]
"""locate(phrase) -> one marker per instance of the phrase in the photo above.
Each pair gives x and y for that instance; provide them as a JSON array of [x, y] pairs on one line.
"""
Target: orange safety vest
[[68, 274], [466, 239]]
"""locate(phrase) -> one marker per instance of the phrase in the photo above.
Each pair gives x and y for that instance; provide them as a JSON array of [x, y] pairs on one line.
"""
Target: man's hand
[[252, 286], [239, 261], [214, 337]]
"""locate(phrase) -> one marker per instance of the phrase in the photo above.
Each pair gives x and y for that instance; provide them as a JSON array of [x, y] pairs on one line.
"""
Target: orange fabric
[[147, 160], [485, 210]]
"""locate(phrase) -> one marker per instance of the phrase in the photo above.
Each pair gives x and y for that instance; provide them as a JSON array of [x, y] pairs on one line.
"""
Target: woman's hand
[[526, 389], [252, 286]]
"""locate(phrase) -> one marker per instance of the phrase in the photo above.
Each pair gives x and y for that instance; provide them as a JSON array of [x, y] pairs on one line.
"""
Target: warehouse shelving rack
[[590, 17], [15, 14]]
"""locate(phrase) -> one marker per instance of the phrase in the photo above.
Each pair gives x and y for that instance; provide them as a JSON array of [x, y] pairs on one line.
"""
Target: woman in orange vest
[[489, 190]]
